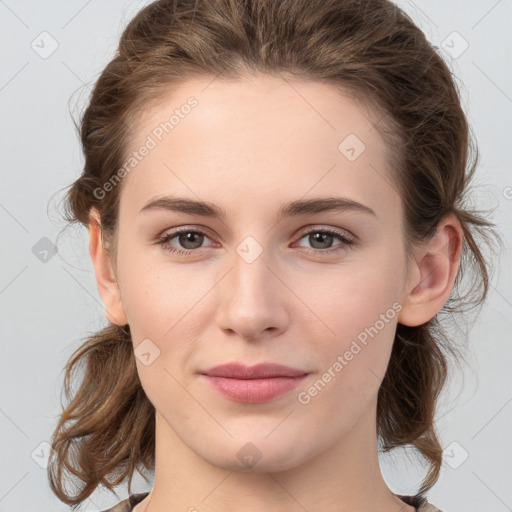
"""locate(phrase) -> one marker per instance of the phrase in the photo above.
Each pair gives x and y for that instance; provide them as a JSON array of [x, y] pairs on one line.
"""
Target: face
[[314, 289]]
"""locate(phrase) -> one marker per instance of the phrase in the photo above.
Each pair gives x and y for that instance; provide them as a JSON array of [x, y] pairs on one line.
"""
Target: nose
[[254, 302]]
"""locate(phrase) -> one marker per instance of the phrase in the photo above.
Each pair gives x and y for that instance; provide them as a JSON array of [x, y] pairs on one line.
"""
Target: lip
[[258, 371], [253, 384]]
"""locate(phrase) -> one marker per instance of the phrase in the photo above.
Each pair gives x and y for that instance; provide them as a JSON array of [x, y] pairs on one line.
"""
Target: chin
[[262, 456]]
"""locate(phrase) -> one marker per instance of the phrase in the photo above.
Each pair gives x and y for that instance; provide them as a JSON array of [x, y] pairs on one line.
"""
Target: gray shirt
[[419, 502]]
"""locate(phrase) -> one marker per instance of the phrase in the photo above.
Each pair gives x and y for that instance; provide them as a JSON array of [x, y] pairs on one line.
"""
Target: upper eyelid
[[316, 227], [301, 233], [185, 229]]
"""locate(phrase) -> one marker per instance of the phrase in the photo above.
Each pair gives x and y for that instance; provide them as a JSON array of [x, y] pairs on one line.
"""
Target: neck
[[345, 476]]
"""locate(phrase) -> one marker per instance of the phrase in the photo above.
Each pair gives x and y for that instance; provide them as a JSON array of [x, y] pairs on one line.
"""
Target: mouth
[[255, 384]]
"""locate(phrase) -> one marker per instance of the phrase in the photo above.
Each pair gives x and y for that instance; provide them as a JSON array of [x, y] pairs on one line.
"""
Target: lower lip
[[253, 390]]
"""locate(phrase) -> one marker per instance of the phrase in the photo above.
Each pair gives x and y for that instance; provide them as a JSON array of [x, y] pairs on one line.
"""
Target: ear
[[432, 274], [105, 276]]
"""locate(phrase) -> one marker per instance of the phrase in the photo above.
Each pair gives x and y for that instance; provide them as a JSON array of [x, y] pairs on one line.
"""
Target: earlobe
[[105, 275], [433, 274]]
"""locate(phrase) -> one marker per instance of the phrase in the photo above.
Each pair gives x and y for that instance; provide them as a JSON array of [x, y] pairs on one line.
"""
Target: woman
[[275, 197]]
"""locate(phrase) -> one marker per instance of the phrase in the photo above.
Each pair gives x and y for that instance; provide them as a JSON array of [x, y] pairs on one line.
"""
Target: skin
[[251, 146]]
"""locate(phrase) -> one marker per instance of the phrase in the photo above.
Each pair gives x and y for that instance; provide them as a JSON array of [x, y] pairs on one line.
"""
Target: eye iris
[[320, 237], [189, 236]]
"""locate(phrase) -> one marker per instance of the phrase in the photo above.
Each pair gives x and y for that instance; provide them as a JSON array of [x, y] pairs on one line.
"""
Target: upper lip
[[259, 371]]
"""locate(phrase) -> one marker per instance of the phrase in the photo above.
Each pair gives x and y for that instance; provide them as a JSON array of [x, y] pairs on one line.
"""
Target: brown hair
[[369, 49]]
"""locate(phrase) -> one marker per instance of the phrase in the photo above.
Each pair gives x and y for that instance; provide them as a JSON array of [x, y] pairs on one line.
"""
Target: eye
[[190, 239], [322, 239]]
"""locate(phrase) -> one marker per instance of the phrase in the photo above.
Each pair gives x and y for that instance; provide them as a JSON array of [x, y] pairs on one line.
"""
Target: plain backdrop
[[51, 53]]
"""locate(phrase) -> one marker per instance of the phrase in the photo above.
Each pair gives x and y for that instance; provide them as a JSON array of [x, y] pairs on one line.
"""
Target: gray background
[[49, 301]]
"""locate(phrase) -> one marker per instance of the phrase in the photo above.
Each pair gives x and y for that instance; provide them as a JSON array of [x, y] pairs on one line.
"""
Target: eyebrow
[[291, 209]]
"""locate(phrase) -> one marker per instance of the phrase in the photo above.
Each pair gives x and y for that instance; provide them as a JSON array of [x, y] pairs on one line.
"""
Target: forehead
[[259, 104], [255, 138]]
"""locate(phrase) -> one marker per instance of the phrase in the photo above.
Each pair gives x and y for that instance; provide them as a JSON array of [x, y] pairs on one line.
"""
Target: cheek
[[158, 297], [167, 308], [353, 298], [348, 382], [361, 310]]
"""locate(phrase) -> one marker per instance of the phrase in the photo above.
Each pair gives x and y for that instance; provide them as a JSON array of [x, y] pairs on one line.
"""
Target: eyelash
[[346, 241]]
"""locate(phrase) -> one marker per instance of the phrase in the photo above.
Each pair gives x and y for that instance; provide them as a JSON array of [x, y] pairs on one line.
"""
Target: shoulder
[[128, 504], [420, 503]]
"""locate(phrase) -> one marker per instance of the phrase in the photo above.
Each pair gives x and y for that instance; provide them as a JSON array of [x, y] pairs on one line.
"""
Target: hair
[[368, 49]]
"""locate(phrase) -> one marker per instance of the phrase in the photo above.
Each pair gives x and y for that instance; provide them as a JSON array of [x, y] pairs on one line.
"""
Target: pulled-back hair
[[368, 49]]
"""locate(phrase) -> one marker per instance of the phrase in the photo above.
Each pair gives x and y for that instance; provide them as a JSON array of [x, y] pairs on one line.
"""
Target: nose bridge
[[251, 301], [251, 277]]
